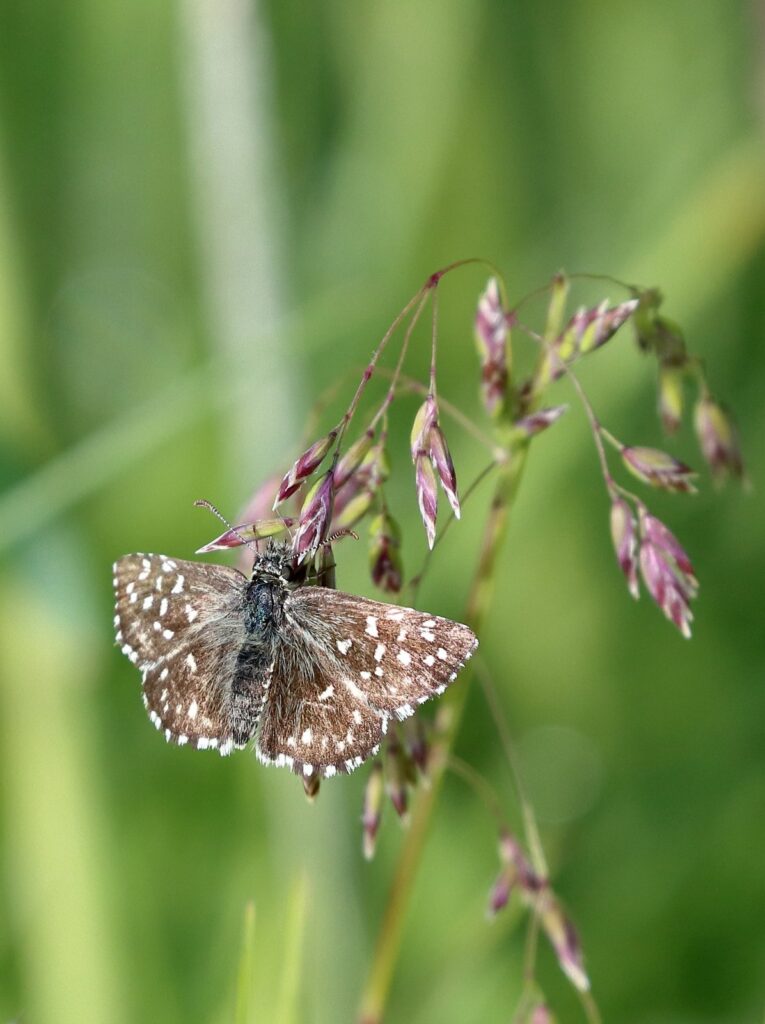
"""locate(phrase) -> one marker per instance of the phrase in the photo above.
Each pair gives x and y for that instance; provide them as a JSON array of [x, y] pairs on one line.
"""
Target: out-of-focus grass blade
[[243, 1007], [293, 952], [54, 811]]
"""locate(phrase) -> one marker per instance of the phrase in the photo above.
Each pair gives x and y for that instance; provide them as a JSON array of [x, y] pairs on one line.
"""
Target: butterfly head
[[277, 563]]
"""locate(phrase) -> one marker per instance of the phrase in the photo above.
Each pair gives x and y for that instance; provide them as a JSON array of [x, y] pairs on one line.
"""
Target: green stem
[[375, 993]]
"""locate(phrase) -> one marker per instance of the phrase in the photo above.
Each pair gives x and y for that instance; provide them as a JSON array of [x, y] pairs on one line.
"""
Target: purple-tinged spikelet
[[491, 334], [430, 454], [427, 495], [353, 458], [670, 397], [315, 518], [587, 330], [416, 743], [563, 939], [239, 535], [500, 891], [304, 466], [718, 439], [624, 536], [441, 459], [385, 553], [539, 1013], [667, 572], [398, 774], [533, 424], [659, 469], [372, 814]]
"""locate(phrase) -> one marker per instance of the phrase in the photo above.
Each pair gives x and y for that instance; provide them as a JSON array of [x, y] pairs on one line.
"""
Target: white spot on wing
[[191, 612], [178, 586], [404, 657], [357, 693], [344, 645], [191, 661], [307, 736], [168, 634], [326, 694], [163, 606], [379, 652], [193, 709], [441, 653], [148, 602], [371, 629]]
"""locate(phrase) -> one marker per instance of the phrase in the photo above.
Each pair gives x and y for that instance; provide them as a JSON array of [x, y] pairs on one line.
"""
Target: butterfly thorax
[[263, 607]]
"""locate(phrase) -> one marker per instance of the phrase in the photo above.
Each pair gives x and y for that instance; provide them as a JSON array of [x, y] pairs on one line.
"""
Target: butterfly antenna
[[204, 503]]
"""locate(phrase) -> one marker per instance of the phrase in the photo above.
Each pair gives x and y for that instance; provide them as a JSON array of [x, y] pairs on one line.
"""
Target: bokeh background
[[209, 211]]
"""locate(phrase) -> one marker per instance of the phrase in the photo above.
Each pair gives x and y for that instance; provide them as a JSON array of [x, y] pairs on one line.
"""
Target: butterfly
[[313, 675]]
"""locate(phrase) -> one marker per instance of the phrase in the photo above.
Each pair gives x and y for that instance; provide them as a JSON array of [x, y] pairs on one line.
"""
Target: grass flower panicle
[[416, 753]]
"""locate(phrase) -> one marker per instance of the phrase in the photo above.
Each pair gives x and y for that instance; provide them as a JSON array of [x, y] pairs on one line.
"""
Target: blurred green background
[[209, 210]]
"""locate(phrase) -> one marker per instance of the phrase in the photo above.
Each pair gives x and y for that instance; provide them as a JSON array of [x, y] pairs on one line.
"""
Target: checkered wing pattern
[[181, 624], [347, 666]]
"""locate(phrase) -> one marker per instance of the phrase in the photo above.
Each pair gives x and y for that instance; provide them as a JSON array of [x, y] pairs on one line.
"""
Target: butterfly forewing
[[181, 624], [349, 664], [397, 657]]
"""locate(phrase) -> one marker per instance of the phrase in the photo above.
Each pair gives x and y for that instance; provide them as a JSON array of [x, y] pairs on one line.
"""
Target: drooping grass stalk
[[530, 828], [377, 986]]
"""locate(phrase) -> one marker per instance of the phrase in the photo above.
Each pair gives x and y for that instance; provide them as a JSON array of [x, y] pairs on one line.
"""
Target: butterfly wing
[[181, 624], [347, 665]]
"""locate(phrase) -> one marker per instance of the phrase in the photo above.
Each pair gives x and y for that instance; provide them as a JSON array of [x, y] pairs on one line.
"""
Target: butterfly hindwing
[[311, 724], [345, 667]]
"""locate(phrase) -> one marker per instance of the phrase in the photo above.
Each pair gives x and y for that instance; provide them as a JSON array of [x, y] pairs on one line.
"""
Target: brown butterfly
[[313, 675]]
